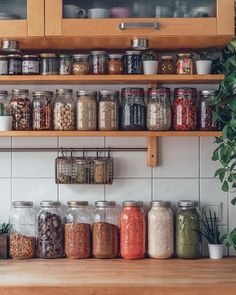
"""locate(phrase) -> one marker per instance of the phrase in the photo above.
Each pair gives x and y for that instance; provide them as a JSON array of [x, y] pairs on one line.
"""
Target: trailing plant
[[4, 228], [149, 55]]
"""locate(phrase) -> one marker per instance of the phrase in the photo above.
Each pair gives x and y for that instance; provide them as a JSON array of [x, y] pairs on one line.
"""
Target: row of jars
[[106, 233]]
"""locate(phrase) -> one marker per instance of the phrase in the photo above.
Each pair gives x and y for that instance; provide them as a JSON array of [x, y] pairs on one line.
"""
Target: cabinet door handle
[[124, 26]]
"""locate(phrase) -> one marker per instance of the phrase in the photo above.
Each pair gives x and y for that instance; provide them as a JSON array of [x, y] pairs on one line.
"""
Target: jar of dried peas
[[184, 64]]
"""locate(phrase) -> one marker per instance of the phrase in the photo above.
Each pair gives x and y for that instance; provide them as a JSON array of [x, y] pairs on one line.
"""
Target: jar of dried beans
[[81, 64], [22, 237], [77, 230], [115, 64], [133, 62], [160, 230], [184, 109], [132, 230], [184, 64], [98, 65], [21, 110], [158, 109], [105, 230], [167, 65], [50, 241]]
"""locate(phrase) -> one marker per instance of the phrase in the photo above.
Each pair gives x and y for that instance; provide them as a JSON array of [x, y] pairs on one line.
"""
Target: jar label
[[3, 67]]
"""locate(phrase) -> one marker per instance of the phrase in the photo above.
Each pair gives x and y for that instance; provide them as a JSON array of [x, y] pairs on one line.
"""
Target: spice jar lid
[[22, 204], [14, 56], [50, 204], [86, 93], [115, 55], [211, 93], [81, 55], [64, 91], [20, 91], [187, 54], [77, 203], [30, 56], [133, 52], [48, 55], [109, 92], [3, 92], [109, 204], [160, 203], [42, 92], [132, 204], [187, 203], [98, 52], [3, 56], [167, 57]]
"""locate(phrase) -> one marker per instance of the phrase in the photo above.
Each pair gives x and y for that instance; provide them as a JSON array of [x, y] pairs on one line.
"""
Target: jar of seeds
[[81, 64], [65, 64]]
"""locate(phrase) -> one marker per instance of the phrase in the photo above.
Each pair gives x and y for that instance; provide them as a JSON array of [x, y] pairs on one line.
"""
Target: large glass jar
[[30, 65], [184, 64], [115, 64], [42, 110], [167, 65], [49, 64], [22, 230], [5, 107], [158, 109], [132, 230], [21, 110], [133, 110], [14, 64], [64, 110], [187, 227], [98, 64], [77, 230], [185, 109], [160, 230], [65, 64], [133, 62], [86, 110], [108, 110], [81, 64], [105, 230], [50, 242]]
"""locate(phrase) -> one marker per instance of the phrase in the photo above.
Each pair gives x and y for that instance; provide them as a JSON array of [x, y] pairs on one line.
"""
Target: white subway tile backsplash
[[5, 142], [34, 142], [5, 164], [81, 142], [5, 208], [126, 142]]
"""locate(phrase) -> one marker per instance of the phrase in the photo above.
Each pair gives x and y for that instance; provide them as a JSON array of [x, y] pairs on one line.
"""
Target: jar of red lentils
[[184, 64], [115, 64]]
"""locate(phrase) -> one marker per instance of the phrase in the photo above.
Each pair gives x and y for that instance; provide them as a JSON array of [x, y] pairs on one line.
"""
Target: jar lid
[[185, 91], [132, 204], [104, 204], [86, 93], [187, 54], [208, 93], [160, 203], [81, 55], [98, 52], [3, 92], [159, 90], [115, 55], [77, 203], [50, 204], [109, 92], [42, 92], [64, 91], [30, 56], [48, 55], [22, 204], [64, 55], [132, 91], [14, 56], [187, 203], [20, 91], [167, 57], [133, 52], [3, 56]]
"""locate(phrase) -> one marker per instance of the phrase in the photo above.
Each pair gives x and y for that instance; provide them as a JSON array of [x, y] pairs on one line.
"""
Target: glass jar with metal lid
[[22, 239], [187, 227], [133, 62], [167, 65], [30, 65], [108, 110], [184, 64], [49, 64], [132, 230], [14, 64], [64, 110], [21, 110], [102, 169], [81, 64], [115, 64], [42, 110], [3, 65], [98, 64], [77, 230], [81, 170], [50, 240], [160, 230], [65, 64], [105, 230], [5, 107], [86, 110]]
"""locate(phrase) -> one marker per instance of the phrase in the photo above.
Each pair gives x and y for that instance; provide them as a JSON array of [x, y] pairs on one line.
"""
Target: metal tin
[[140, 43]]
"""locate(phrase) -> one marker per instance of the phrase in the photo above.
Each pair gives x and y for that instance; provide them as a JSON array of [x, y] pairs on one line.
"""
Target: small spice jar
[[108, 110], [105, 230], [132, 230], [184, 64], [115, 64], [22, 239], [3, 65], [5, 107], [98, 65], [133, 62], [50, 240], [187, 227], [81, 170], [160, 230], [42, 110], [167, 65], [49, 64], [77, 230], [65, 64], [102, 170], [30, 65], [14, 64], [81, 64]]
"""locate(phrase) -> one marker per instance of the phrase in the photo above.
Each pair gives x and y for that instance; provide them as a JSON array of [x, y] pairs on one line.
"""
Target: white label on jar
[[108, 114], [3, 67], [30, 66], [179, 115]]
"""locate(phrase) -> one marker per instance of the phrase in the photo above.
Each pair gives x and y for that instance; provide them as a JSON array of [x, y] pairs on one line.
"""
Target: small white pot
[[150, 67], [203, 67], [5, 123], [216, 251]]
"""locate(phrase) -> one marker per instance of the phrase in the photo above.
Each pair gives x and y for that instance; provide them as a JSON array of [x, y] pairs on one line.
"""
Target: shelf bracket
[[152, 145]]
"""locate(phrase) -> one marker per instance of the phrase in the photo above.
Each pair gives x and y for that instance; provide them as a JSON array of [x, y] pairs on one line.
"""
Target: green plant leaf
[[225, 186], [233, 202], [221, 173]]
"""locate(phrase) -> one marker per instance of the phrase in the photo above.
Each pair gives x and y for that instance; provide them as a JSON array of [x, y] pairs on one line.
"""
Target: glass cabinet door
[[13, 9]]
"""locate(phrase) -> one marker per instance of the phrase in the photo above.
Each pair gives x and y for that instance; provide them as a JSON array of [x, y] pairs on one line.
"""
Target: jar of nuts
[[115, 64], [80, 64], [64, 110]]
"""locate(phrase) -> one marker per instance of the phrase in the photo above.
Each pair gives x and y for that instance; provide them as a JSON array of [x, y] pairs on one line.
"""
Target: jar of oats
[[64, 110]]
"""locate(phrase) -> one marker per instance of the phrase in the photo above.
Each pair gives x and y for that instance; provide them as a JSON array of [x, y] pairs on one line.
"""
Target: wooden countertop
[[123, 277]]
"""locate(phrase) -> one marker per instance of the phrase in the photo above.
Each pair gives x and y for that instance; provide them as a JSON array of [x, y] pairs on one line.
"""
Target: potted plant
[[150, 64], [5, 118], [204, 63], [4, 228]]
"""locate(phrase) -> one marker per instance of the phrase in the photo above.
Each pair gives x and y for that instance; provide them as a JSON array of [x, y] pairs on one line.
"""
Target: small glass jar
[[108, 110], [167, 66], [105, 230], [133, 110], [160, 230], [86, 110], [5, 107], [30, 65], [158, 109], [102, 171], [21, 110], [14, 64], [77, 230], [133, 62], [115, 64], [82, 171], [132, 230], [81, 64], [65, 64], [22, 239], [3, 65], [98, 65], [50, 241], [49, 64], [64, 110], [184, 109], [42, 110], [184, 64], [187, 227]]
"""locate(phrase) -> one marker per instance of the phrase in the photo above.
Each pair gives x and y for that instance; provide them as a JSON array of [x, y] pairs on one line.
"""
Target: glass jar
[[105, 230], [184, 109], [184, 64], [3, 65], [133, 62], [132, 230], [81, 64], [158, 109], [65, 64], [30, 65], [21, 110], [22, 237], [5, 107], [82, 170], [42, 110], [167, 65], [49, 64], [115, 64], [64, 110], [77, 230], [14, 64], [133, 110], [50, 240], [160, 230], [108, 110], [86, 110], [98, 64], [102, 171], [187, 227]]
